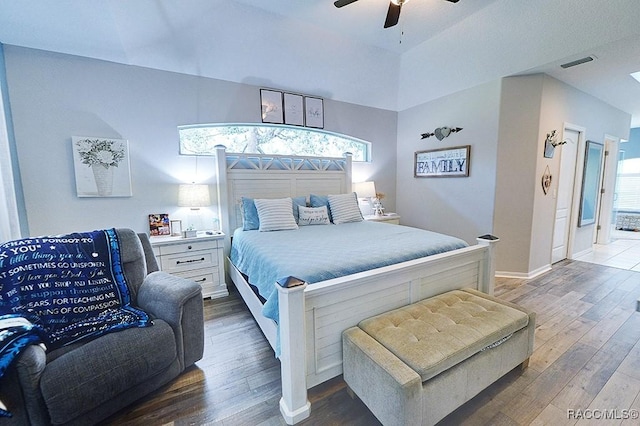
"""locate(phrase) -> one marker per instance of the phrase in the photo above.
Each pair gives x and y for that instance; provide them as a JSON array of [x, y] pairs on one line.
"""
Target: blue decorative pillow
[[250, 220], [298, 201], [319, 201]]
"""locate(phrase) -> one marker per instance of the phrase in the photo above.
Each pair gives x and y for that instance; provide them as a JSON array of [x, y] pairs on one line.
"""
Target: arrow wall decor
[[442, 132]]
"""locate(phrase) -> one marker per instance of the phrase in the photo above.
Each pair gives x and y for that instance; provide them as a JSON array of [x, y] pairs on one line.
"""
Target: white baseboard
[[575, 256], [524, 275]]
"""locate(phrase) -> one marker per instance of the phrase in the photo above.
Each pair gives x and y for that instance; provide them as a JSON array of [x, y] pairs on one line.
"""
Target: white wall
[[9, 204], [516, 171], [565, 104], [531, 107], [56, 96], [505, 122], [460, 206]]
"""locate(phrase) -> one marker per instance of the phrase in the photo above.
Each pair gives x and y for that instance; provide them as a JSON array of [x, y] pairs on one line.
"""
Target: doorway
[[562, 231], [607, 209]]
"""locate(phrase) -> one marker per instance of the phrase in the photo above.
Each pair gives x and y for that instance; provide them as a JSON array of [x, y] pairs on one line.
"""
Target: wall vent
[[578, 62]]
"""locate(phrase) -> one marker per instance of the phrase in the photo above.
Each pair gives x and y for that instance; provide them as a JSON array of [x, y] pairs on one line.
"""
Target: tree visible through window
[[269, 139]]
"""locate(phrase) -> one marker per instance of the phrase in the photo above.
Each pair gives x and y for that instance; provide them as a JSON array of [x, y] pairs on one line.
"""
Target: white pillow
[[313, 216], [275, 214], [344, 208]]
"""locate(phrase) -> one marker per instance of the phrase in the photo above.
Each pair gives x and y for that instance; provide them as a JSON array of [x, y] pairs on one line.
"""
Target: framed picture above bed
[[443, 162], [314, 112], [293, 110], [271, 106]]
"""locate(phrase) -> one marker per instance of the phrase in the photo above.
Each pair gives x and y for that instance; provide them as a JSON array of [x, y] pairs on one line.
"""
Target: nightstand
[[200, 259], [391, 218]]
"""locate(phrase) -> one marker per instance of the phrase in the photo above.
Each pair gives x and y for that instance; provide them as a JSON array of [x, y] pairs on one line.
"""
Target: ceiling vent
[[578, 62]]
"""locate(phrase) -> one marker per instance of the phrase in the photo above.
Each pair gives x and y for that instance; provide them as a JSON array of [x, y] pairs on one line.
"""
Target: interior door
[[564, 195]]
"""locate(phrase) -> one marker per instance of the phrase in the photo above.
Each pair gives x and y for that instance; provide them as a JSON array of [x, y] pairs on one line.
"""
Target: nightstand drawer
[[208, 279], [187, 247], [189, 261]]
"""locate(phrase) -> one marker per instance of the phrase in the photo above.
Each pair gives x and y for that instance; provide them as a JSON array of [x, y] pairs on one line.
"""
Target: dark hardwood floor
[[587, 357]]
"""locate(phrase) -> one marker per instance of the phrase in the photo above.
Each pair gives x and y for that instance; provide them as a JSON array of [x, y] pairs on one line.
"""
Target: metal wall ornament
[[550, 144], [546, 180], [441, 132]]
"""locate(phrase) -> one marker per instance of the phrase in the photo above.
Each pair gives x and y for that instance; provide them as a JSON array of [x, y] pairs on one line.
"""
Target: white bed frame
[[317, 314]]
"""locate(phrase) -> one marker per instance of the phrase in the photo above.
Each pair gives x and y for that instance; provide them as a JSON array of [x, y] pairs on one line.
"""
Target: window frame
[[185, 151]]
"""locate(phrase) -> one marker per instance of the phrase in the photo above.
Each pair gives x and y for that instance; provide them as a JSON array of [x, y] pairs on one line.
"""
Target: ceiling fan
[[393, 14]]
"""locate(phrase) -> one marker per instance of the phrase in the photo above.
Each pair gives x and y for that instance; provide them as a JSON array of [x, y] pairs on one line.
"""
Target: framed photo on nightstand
[[159, 224]]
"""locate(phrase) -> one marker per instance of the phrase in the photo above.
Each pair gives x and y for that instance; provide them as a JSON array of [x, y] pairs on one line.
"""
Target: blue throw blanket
[[59, 290]]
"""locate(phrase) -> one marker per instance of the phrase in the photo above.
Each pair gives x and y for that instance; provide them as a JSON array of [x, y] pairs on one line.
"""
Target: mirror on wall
[[590, 183]]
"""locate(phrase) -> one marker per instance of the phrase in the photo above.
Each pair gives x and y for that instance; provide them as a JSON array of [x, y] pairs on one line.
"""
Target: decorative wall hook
[[441, 132], [550, 144]]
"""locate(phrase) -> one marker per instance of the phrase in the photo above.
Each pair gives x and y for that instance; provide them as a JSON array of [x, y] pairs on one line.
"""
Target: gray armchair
[[86, 382]]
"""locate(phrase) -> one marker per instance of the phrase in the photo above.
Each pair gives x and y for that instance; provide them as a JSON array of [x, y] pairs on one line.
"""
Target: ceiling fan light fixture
[[399, 2]]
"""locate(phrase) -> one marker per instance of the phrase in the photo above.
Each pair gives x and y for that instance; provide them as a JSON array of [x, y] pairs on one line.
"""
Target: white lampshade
[[193, 196], [365, 189]]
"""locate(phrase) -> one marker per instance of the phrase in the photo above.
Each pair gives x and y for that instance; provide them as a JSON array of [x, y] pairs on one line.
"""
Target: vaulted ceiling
[[311, 47]]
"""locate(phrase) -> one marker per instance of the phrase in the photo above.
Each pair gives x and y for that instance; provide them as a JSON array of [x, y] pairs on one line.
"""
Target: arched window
[[201, 139]]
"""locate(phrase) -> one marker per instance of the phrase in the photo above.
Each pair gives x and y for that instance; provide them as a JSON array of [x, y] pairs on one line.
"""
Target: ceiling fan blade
[[393, 14], [341, 3], [453, 1]]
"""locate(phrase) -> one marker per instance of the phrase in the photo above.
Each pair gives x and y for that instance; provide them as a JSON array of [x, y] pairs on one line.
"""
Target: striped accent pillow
[[344, 208], [275, 214]]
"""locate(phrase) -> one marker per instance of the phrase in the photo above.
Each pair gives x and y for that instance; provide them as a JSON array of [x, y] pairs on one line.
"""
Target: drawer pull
[[189, 247], [201, 280], [178, 262]]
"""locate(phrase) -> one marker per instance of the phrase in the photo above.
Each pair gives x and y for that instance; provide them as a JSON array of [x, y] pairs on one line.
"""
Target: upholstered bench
[[416, 364]]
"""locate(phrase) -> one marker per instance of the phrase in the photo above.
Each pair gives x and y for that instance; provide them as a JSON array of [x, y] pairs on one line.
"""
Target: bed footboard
[[319, 313]]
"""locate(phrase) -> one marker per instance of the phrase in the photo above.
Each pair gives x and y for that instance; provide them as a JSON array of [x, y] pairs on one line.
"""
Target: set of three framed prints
[[289, 108]]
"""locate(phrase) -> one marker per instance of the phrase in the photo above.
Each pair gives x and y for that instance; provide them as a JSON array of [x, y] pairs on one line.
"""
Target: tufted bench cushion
[[435, 334], [418, 363]]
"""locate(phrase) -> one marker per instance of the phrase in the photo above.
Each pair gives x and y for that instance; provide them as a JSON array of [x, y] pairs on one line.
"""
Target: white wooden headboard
[[274, 176]]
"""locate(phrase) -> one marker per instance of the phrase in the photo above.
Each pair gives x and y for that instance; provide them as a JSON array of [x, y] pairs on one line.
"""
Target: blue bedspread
[[322, 252]]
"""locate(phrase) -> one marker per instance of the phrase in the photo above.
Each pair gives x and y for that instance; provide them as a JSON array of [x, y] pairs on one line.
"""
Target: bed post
[[223, 196], [348, 171], [294, 404], [488, 271]]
